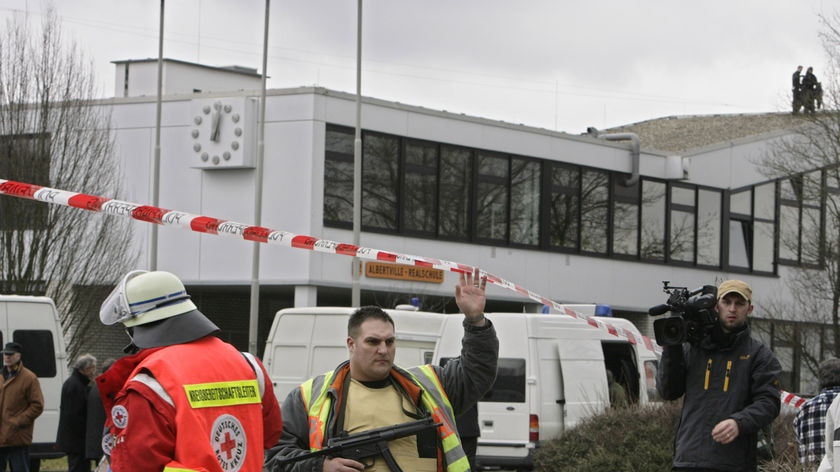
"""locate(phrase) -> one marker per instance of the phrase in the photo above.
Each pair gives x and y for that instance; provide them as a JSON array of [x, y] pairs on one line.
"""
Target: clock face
[[219, 133]]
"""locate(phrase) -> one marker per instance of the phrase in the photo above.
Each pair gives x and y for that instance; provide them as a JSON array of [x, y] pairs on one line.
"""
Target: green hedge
[[640, 439]]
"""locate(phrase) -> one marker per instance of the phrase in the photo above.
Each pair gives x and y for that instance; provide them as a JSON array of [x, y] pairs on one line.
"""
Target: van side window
[[38, 351], [510, 382]]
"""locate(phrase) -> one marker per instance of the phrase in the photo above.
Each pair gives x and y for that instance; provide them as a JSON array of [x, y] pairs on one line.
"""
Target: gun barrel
[[386, 433]]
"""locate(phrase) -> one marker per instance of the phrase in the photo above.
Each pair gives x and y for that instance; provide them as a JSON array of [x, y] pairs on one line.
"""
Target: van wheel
[[34, 465]]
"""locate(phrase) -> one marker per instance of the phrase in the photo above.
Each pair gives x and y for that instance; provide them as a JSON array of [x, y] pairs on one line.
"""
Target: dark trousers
[[77, 463], [470, 445], [16, 457]]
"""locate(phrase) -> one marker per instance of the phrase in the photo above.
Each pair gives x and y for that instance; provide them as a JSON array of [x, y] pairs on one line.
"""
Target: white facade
[[293, 193], [137, 78]]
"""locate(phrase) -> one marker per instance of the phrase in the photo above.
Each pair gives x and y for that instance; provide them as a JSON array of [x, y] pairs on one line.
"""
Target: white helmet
[[144, 297]]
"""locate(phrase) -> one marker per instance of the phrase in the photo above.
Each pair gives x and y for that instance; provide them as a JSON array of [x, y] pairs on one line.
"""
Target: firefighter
[[183, 400]]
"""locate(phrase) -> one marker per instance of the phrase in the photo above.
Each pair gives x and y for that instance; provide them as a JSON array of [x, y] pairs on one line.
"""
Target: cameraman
[[730, 385]]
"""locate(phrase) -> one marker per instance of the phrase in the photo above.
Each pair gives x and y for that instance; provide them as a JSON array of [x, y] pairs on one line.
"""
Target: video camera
[[692, 314]]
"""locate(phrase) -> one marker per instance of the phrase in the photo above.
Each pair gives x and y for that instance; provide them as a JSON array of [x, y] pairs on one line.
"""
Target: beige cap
[[735, 286]]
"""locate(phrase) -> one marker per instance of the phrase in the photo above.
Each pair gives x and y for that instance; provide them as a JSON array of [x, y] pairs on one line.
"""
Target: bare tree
[[53, 133], [808, 165]]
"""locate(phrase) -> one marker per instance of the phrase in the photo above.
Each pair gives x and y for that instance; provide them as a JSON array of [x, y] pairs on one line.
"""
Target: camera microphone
[[659, 310]]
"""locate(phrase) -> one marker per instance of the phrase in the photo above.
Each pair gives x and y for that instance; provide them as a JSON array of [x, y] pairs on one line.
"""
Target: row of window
[[435, 190]]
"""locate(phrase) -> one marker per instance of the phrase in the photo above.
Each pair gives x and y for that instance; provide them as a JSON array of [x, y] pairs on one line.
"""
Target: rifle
[[366, 444]]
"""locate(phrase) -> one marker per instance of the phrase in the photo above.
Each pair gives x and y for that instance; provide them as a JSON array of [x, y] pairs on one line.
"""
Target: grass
[[54, 465]]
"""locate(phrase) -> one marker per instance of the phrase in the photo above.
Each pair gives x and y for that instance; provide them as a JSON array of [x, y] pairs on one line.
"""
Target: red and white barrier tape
[[209, 225], [792, 399]]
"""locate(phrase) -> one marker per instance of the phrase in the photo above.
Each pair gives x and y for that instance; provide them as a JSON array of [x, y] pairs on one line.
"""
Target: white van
[[552, 373], [33, 322], [304, 342]]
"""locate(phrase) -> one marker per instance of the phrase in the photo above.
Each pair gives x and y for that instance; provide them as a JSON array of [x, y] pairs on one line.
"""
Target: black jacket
[[95, 425], [721, 377], [73, 416]]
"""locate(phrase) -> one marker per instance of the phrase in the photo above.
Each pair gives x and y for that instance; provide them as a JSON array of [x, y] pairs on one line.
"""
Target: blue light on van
[[603, 310]]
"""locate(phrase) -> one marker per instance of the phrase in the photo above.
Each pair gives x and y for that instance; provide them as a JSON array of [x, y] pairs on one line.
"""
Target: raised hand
[[469, 295]]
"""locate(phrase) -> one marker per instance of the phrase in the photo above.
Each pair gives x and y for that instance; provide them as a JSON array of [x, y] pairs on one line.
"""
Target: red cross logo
[[227, 445], [119, 415], [229, 442]]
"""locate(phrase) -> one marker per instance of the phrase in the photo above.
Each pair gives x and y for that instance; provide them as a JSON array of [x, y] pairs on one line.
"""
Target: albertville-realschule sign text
[[382, 270]]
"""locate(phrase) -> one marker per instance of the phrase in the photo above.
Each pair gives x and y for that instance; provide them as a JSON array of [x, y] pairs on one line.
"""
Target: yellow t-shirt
[[369, 408]]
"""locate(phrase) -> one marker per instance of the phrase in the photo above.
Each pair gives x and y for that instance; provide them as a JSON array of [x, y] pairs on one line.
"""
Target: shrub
[[641, 439]]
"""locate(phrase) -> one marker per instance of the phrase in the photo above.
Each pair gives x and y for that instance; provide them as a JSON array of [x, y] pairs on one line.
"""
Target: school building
[[589, 216]]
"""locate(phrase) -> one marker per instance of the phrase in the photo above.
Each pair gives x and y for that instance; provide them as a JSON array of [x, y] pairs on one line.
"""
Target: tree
[[53, 133], [807, 164]]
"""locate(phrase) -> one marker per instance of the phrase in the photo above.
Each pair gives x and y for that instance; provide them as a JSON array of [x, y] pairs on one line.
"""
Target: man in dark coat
[[72, 418], [95, 421], [797, 89], [809, 90]]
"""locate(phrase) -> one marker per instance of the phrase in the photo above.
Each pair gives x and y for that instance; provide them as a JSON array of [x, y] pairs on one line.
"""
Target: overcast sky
[[553, 64]]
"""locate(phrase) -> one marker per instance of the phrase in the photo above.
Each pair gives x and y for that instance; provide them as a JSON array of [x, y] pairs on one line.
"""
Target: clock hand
[[215, 121]]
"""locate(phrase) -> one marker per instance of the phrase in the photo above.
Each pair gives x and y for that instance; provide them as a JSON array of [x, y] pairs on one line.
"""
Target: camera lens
[[670, 331]]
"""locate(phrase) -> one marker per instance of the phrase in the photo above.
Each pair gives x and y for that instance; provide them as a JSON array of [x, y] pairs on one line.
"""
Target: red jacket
[[196, 404]]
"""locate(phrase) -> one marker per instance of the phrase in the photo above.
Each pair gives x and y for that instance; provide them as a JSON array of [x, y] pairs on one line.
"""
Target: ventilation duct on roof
[[634, 151]]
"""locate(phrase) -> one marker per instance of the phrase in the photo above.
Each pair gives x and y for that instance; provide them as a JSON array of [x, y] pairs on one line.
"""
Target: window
[[37, 359], [653, 220], [594, 219], [800, 215], [681, 242], [338, 176], [740, 229], [380, 174], [832, 214], [510, 382], [436, 190], [764, 227], [564, 206], [24, 158], [420, 188], [709, 215], [455, 185], [811, 219], [625, 218], [492, 197], [525, 202]]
